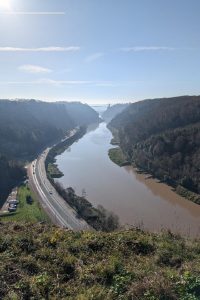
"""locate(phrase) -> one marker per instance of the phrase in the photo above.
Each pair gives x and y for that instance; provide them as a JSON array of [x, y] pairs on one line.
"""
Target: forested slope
[[162, 136], [27, 126], [11, 172]]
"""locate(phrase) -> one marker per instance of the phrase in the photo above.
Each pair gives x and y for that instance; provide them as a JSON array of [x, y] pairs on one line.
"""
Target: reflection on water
[[133, 198]]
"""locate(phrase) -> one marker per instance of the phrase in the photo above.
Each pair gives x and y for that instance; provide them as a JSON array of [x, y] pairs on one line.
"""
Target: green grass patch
[[29, 209], [117, 156]]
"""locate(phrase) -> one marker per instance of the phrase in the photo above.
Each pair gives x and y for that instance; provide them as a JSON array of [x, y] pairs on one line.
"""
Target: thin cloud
[[62, 82], [58, 83], [47, 81], [94, 56], [40, 49], [34, 13], [152, 48], [34, 69]]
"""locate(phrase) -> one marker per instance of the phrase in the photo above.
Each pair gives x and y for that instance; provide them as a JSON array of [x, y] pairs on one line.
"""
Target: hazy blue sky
[[99, 50]]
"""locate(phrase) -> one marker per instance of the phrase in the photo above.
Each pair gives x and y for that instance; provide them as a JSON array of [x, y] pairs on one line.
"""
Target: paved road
[[58, 210]]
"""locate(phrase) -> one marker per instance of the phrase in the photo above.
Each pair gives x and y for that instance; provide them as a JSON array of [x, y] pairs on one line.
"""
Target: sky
[[99, 51]]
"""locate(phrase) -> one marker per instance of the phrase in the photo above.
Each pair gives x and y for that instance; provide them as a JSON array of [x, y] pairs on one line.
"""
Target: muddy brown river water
[[135, 199]]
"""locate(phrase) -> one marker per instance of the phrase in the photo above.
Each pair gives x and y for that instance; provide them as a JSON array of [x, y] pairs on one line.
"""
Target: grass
[[117, 156], [44, 262], [26, 212]]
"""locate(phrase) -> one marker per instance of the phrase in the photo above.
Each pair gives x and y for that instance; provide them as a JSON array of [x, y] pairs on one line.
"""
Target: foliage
[[53, 171], [46, 262], [99, 218], [167, 145], [29, 126], [11, 174], [188, 194], [117, 156], [26, 127]]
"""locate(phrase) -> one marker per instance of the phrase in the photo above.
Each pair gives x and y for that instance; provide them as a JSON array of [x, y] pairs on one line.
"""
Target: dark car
[[12, 209]]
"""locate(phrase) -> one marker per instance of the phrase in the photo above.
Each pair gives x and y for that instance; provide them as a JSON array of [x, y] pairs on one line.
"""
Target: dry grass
[[42, 262]]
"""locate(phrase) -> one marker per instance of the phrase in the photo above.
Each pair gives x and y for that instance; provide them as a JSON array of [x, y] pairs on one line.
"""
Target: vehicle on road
[[12, 209], [13, 201], [13, 206]]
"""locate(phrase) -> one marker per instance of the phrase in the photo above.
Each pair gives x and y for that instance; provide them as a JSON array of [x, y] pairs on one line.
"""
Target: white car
[[13, 201]]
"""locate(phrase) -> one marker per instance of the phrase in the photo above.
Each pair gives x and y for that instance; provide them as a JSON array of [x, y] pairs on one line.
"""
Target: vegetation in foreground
[[117, 156], [29, 209], [51, 263]]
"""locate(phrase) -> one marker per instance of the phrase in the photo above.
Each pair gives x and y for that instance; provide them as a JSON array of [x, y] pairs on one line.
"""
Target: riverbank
[[177, 188], [50, 162], [137, 202], [98, 218], [119, 158]]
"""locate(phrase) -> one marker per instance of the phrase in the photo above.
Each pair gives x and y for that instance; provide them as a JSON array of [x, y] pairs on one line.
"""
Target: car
[[12, 209], [13, 206], [13, 201], [50, 192]]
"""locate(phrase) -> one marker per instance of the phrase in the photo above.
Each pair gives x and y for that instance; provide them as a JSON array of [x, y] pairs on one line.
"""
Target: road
[[58, 210]]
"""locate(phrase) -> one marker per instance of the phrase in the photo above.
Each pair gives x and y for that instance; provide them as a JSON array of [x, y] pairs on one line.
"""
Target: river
[[135, 199]]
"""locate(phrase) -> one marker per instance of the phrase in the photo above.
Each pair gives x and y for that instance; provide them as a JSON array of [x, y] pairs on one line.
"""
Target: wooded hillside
[[162, 136], [28, 126]]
